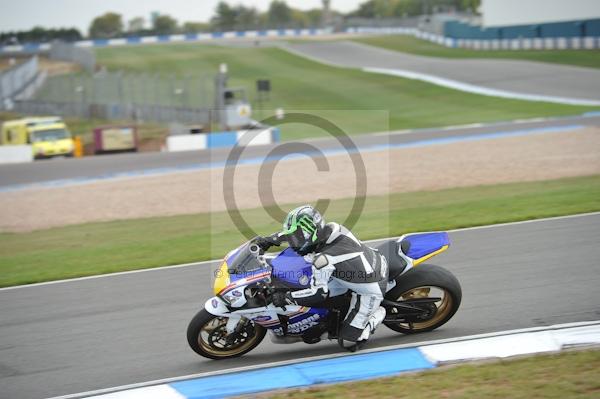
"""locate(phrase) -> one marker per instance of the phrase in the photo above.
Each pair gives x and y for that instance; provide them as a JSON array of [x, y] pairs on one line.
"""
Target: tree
[[315, 17], [471, 5], [263, 20], [106, 26], [299, 19], [406, 8], [225, 17], [164, 25], [195, 27], [245, 17], [68, 35], [364, 10], [279, 14], [402, 8], [39, 34], [136, 25]]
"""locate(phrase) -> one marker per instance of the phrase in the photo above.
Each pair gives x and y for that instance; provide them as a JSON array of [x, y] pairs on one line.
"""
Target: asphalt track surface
[[525, 77], [89, 334], [107, 166]]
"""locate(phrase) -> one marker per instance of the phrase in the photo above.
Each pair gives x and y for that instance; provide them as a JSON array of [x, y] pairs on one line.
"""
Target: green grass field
[[97, 248], [301, 84], [412, 45], [555, 376]]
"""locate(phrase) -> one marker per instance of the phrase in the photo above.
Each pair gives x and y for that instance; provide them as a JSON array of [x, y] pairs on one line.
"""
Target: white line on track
[[323, 357], [155, 269], [482, 90], [109, 275], [498, 124], [394, 132], [452, 84], [470, 125]]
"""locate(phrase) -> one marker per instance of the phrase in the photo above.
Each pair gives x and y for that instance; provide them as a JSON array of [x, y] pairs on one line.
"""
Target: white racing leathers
[[346, 264]]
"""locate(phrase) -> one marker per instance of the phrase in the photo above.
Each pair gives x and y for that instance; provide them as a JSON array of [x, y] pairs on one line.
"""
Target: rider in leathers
[[340, 263]]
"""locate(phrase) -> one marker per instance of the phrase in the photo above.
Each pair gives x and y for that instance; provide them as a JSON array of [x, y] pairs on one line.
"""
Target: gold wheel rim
[[218, 323], [443, 306]]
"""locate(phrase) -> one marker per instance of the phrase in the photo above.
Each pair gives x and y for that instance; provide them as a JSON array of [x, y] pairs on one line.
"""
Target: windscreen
[[244, 261], [50, 135]]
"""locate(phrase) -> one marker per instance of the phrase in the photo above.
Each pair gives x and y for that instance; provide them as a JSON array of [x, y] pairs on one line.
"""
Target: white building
[[525, 12]]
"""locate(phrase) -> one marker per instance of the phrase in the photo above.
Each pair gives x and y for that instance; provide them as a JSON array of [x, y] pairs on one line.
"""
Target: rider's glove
[[267, 242], [281, 299]]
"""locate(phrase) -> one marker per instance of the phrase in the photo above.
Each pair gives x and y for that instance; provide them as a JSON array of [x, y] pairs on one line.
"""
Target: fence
[[407, 22], [130, 88], [19, 82], [136, 112], [547, 43], [188, 37], [68, 52], [125, 96], [569, 29]]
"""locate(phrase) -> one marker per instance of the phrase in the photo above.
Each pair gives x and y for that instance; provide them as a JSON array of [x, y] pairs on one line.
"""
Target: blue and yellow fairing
[[226, 281], [424, 246], [223, 279]]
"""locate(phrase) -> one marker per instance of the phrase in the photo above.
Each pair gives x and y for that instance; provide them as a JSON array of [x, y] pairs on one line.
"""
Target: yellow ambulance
[[48, 136]]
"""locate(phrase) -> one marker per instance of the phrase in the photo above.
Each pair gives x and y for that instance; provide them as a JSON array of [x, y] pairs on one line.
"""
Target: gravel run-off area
[[502, 160]]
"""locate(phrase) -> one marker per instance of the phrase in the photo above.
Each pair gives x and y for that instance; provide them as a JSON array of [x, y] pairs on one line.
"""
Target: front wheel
[[208, 336], [426, 281]]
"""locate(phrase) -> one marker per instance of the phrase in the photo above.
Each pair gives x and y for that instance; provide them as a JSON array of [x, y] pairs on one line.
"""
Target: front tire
[[422, 282], [207, 336]]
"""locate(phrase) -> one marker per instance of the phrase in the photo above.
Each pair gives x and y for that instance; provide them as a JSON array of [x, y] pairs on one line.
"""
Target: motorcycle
[[237, 318]]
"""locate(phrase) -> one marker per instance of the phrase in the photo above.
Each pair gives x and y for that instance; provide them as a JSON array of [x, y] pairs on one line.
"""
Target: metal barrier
[[188, 37], [136, 112], [120, 96], [17, 82], [15, 154], [68, 52], [127, 88], [567, 29], [527, 43]]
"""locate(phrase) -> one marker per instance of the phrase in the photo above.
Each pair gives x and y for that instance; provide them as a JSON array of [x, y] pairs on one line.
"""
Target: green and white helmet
[[303, 227]]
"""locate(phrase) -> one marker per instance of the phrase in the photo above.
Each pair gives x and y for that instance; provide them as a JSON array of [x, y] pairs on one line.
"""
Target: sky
[[25, 14]]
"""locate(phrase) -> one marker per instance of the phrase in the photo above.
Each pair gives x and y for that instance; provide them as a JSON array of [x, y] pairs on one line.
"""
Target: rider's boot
[[374, 321]]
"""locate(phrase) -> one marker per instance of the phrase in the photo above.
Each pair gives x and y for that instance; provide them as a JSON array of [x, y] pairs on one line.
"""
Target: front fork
[[218, 307]]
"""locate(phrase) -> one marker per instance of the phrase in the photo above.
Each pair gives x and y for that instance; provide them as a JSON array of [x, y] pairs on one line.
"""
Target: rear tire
[[418, 283], [205, 324]]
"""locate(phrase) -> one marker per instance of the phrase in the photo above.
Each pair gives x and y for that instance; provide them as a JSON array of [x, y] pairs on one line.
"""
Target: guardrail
[[15, 154], [19, 81], [190, 37], [201, 141], [525, 43], [136, 112], [70, 53]]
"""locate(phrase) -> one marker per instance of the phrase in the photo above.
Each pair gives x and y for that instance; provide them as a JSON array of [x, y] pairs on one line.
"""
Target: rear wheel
[[208, 337], [426, 281]]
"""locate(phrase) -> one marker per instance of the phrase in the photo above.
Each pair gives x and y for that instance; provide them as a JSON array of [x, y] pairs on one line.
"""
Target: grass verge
[[412, 45], [301, 84], [97, 248], [563, 375]]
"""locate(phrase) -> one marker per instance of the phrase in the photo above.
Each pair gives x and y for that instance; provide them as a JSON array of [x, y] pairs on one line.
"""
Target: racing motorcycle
[[237, 318]]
